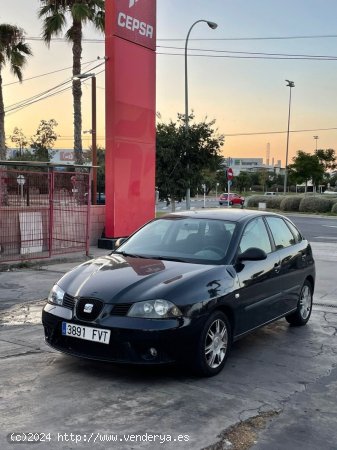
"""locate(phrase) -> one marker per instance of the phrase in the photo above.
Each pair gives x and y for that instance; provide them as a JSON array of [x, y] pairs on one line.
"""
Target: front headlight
[[154, 309], [56, 295]]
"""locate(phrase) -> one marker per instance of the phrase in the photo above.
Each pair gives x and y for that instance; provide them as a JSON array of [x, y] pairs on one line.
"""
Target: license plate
[[87, 333]]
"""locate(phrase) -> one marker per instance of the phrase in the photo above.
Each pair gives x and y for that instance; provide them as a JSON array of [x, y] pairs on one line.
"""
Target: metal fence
[[43, 212]]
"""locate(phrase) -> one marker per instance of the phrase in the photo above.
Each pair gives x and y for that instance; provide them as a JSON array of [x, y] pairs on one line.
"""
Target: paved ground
[[278, 390]]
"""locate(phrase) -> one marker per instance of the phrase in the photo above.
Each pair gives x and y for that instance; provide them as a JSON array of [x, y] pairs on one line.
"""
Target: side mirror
[[119, 242], [252, 254]]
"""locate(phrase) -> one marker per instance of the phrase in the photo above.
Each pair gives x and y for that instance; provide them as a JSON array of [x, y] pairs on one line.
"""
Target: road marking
[[330, 226], [325, 237]]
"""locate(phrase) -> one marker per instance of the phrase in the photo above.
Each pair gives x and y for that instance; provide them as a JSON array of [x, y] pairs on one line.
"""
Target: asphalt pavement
[[277, 391]]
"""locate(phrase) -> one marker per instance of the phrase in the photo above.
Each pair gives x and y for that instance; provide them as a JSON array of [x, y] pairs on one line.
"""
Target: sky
[[234, 80]]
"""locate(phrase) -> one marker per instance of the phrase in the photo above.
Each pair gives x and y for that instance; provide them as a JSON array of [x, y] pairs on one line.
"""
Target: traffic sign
[[230, 174]]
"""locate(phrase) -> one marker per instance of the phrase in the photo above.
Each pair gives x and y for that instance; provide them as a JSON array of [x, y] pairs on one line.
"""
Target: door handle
[[277, 267]]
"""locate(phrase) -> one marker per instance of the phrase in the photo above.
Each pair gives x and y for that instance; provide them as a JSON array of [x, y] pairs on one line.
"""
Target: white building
[[238, 165]]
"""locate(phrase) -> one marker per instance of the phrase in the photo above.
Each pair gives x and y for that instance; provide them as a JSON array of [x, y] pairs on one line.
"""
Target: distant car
[[183, 288], [270, 193], [330, 192], [234, 199]]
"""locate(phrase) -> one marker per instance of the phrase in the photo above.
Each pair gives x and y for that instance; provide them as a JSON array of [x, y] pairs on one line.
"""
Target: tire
[[220, 203], [230, 203], [304, 307], [213, 346]]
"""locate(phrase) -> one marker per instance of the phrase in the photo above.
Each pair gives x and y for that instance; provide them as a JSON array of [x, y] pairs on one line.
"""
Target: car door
[[259, 294], [291, 250]]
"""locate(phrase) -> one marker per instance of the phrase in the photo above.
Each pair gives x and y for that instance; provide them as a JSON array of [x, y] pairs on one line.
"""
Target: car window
[[281, 233], [294, 230], [255, 235], [189, 239]]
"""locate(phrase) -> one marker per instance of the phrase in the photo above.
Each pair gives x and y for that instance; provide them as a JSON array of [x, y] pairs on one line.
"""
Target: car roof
[[231, 214]]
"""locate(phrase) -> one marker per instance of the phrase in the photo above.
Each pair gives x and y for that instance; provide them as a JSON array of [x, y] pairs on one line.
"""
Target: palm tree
[[54, 14], [13, 50]]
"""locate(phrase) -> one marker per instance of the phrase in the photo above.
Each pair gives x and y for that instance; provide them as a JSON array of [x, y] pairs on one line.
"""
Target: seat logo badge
[[88, 308]]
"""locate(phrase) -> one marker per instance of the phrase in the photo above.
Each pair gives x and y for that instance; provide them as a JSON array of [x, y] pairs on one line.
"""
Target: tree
[[19, 139], [54, 14], [242, 181], [13, 50], [44, 140], [327, 158], [182, 160], [263, 178], [306, 167]]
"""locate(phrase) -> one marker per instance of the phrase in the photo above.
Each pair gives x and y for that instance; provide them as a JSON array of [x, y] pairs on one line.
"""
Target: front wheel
[[213, 345], [304, 306]]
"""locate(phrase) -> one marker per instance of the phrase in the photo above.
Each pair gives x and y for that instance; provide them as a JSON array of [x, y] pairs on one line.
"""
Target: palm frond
[[17, 72], [22, 47], [52, 26], [99, 21], [81, 12]]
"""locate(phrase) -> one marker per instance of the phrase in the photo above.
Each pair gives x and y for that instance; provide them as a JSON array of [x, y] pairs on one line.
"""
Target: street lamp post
[[212, 25], [93, 132], [316, 139], [290, 84]]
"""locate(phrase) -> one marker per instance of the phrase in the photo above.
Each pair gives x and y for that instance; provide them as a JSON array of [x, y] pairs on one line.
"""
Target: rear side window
[[282, 235], [295, 232]]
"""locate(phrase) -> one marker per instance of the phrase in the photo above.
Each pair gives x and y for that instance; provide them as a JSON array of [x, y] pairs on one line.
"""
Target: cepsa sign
[[135, 20]]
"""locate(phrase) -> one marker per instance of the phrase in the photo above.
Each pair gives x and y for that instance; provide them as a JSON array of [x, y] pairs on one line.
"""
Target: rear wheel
[[304, 306], [213, 345]]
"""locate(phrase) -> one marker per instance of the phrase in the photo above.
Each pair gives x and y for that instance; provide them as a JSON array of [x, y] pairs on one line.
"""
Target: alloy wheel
[[305, 302], [216, 343]]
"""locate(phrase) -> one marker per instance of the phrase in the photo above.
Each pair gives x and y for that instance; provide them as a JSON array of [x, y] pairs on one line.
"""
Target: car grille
[[120, 309], [94, 308], [68, 301]]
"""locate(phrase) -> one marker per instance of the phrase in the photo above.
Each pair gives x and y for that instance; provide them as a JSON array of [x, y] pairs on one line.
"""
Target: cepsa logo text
[[133, 24]]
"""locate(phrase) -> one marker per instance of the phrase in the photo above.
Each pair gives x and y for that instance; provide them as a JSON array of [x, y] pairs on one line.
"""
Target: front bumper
[[130, 341]]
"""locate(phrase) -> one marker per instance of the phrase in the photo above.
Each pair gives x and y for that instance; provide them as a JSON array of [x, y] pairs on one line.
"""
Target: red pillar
[[130, 115]]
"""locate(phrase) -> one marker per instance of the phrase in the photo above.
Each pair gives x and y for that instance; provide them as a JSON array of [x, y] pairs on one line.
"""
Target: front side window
[[281, 233], [255, 235]]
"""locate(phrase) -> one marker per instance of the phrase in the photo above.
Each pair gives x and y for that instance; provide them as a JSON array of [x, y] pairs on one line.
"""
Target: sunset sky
[[234, 81]]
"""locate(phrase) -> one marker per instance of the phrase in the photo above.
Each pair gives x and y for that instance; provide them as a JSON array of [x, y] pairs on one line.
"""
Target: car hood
[[118, 279]]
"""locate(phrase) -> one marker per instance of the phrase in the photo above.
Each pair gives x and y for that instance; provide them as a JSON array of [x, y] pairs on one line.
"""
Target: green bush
[[253, 200], [291, 203], [316, 204], [271, 201], [334, 207], [274, 201]]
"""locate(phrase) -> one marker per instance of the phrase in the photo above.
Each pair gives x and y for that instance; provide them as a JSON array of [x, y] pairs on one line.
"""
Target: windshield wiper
[[167, 258], [131, 255]]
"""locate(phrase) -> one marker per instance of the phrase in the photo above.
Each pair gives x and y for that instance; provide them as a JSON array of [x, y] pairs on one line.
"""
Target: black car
[[183, 288]]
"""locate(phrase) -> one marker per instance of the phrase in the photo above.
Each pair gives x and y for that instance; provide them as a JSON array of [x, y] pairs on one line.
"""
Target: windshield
[[185, 239]]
